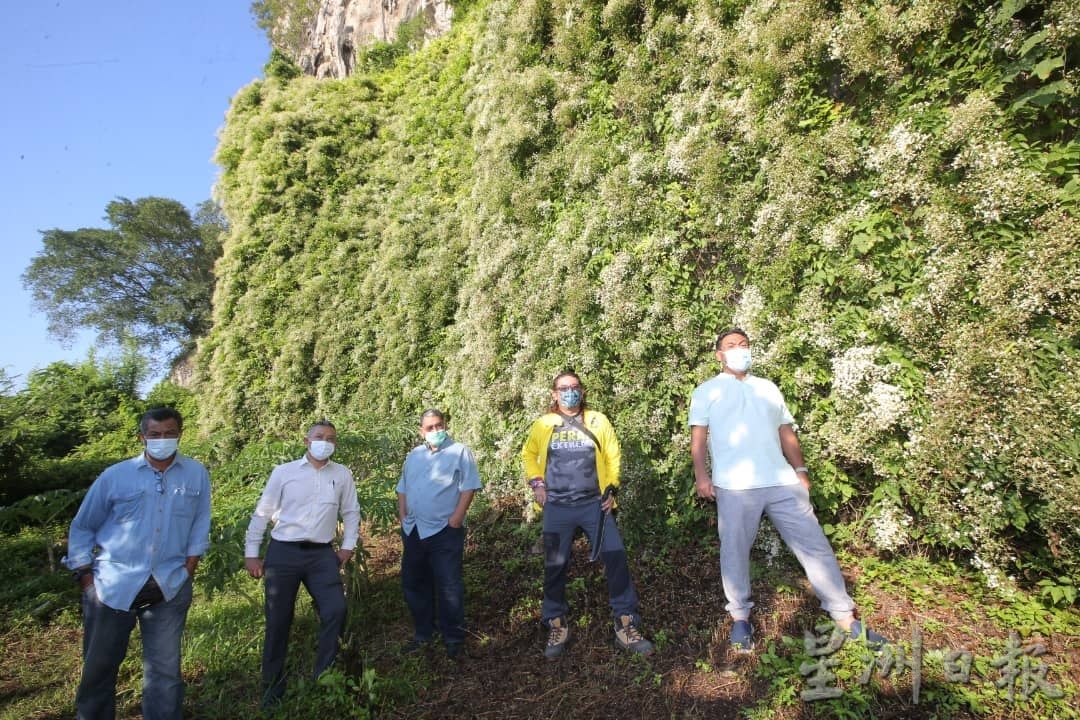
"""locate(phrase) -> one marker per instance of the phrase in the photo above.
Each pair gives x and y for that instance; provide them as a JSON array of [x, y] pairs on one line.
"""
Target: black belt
[[303, 544]]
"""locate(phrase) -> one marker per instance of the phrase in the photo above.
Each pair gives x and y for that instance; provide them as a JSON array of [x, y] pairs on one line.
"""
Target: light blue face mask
[[435, 438], [738, 359], [569, 399]]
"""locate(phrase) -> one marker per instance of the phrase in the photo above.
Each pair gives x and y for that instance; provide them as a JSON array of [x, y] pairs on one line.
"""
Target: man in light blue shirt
[[743, 424], [133, 547], [437, 484]]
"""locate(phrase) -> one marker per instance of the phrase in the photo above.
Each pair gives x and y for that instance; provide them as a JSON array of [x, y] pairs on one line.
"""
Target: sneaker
[[415, 646], [628, 637], [558, 634], [871, 638], [742, 636]]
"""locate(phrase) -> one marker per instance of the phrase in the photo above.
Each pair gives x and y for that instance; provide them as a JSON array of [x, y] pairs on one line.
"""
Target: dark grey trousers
[[287, 566], [560, 522]]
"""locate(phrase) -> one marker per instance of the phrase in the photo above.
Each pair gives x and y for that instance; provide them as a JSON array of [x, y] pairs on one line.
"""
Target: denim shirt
[[432, 482], [136, 522]]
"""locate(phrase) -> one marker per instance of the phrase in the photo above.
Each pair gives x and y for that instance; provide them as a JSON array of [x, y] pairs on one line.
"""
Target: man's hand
[[86, 580], [190, 564], [607, 502], [705, 488], [254, 567], [455, 521], [344, 556], [540, 494]]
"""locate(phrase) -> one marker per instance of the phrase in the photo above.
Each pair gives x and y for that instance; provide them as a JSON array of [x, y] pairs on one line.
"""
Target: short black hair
[[320, 423], [161, 414], [730, 331], [432, 412]]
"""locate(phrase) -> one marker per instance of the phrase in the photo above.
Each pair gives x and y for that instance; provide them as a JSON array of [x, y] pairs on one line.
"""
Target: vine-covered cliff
[[883, 194]]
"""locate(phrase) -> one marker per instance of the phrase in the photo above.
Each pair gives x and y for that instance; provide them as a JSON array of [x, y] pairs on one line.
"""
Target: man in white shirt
[[742, 421], [303, 499]]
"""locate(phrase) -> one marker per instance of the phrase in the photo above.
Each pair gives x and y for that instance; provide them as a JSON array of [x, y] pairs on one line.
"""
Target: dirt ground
[[693, 673]]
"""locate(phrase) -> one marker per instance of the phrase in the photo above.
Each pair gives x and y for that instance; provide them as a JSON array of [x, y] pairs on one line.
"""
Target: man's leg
[[161, 627], [791, 513], [447, 550], [738, 513], [558, 531], [417, 585], [105, 643], [323, 583], [282, 569], [621, 593]]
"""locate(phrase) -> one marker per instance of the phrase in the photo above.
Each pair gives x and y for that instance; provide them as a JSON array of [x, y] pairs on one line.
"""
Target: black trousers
[[287, 566]]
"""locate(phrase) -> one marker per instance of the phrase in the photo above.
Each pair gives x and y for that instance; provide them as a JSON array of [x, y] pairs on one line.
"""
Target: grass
[[692, 675]]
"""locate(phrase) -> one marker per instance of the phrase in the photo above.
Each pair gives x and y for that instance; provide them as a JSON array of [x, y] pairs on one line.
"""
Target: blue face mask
[[435, 438], [569, 399]]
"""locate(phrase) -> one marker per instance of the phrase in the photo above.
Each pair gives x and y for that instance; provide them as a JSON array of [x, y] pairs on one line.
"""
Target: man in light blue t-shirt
[[437, 484], [742, 421]]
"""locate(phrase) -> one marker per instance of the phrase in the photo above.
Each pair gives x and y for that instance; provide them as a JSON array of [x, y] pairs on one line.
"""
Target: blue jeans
[[287, 566], [431, 574], [105, 643], [560, 523]]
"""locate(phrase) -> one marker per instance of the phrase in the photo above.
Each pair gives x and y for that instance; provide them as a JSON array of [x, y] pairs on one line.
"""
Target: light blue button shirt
[[136, 521], [432, 483]]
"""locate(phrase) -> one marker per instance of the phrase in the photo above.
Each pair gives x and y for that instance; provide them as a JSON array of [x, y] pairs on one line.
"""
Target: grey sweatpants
[[738, 514]]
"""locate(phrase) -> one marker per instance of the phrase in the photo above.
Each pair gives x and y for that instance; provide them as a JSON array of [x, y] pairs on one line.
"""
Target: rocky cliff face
[[341, 26]]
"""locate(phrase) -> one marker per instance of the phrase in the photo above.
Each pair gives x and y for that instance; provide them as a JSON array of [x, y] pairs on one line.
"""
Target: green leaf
[[1047, 66]]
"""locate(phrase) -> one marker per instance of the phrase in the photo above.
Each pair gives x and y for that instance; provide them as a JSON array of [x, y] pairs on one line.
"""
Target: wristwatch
[[536, 483]]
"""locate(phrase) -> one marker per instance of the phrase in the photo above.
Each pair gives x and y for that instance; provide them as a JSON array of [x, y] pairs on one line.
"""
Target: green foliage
[[333, 694], [281, 67], [149, 276], [285, 22], [67, 424], [883, 195]]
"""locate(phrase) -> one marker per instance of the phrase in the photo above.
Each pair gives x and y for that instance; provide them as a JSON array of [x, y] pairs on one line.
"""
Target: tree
[[286, 22], [149, 277]]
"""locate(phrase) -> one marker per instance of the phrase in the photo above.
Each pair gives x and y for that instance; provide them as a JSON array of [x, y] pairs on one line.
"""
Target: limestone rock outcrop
[[342, 26]]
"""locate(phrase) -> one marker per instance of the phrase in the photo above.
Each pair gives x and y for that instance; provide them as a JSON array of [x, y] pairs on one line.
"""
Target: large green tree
[[148, 276]]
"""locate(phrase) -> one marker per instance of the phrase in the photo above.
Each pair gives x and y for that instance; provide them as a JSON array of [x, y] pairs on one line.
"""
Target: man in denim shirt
[[437, 484], [133, 547]]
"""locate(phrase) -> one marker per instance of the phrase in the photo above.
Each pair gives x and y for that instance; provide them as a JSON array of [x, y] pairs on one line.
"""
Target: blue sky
[[101, 100]]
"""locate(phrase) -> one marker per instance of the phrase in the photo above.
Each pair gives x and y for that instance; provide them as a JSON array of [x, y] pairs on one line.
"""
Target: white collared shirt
[[303, 503]]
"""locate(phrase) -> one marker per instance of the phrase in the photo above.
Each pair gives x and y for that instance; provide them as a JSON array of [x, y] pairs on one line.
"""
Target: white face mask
[[321, 449], [737, 359], [161, 448]]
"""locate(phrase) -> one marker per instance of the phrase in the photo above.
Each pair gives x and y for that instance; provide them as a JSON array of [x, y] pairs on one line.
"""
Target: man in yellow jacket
[[571, 462]]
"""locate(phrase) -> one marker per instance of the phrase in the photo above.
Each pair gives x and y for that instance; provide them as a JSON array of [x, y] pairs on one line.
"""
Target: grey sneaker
[[628, 637], [558, 634], [742, 636]]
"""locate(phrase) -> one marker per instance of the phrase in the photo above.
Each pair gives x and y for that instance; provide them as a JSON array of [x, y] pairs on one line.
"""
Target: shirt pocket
[[128, 508], [186, 501]]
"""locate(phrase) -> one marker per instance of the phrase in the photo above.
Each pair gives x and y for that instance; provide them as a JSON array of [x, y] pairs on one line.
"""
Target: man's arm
[[264, 510], [457, 518], [199, 541], [789, 445], [699, 453], [82, 534], [349, 508]]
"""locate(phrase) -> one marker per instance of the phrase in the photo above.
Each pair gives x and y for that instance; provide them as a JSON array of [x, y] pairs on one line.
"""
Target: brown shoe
[[558, 634], [628, 637]]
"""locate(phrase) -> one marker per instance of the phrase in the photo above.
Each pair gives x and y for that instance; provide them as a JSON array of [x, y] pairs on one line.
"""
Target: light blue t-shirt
[[744, 419], [136, 521], [432, 482]]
